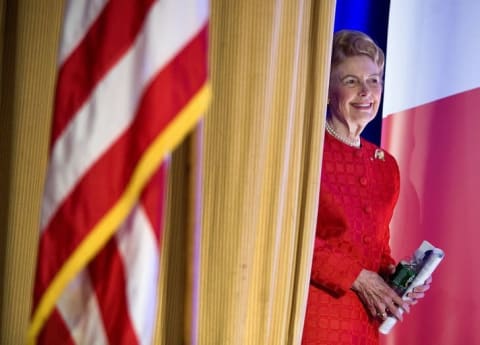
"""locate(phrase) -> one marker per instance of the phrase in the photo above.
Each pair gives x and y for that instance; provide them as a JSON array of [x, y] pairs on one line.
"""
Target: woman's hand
[[419, 292], [379, 299]]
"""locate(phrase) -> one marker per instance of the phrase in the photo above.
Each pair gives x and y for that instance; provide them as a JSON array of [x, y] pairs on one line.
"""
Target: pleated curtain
[[29, 33], [243, 188]]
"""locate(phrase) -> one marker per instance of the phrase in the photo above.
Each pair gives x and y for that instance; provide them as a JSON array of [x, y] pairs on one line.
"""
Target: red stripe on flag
[[109, 37], [56, 329], [108, 278], [169, 92], [153, 204]]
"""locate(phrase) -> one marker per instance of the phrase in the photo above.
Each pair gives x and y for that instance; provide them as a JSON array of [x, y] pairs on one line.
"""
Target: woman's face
[[355, 90]]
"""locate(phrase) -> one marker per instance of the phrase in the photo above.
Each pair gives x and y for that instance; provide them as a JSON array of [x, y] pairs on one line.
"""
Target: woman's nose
[[364, 88]]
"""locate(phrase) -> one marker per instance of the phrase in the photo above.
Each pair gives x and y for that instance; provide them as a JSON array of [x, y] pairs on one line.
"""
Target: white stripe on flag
[[78, 307], [77, 20], [88, 135], [139, 249]]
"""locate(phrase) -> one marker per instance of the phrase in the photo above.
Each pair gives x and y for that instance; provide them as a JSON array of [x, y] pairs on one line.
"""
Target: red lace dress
[[359, 189]]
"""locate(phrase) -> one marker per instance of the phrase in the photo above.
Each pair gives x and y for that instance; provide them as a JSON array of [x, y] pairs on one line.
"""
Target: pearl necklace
[[345, 140]]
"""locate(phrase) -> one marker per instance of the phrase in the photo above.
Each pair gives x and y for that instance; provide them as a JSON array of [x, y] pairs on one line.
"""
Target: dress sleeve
[[387, 258], [386, 261], [333, 268]]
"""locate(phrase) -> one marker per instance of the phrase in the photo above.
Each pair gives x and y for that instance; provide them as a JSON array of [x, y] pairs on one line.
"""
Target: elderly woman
[[348, 296]]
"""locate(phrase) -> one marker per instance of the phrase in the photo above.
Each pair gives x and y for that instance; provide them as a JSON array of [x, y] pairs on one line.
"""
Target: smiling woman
[[370, 17], [355, 91], [348, 294], [355, 83]]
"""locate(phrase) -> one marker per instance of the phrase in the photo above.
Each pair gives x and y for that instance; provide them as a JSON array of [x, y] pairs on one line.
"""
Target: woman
[[348, 296]]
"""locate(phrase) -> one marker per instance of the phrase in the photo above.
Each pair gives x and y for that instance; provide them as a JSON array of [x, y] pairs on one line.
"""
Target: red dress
[[359, 189]]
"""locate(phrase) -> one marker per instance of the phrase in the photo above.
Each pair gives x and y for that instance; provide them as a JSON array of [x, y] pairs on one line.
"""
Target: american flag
[[132, 81]]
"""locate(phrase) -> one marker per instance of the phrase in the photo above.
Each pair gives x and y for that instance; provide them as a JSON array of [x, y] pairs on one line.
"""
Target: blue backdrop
[[371, 17]]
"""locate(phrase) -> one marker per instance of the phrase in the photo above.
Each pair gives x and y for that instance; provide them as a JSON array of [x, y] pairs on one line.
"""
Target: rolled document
[[428, 258]]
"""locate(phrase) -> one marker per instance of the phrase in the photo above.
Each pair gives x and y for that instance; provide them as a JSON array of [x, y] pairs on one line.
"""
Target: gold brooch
[[379, 154]]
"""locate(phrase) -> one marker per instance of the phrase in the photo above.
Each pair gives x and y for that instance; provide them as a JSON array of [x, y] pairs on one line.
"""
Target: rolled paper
[[432, 257]]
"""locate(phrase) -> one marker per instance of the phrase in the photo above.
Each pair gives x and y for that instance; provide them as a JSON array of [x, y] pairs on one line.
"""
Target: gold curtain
[[29, 35], [263, 140], [240, 223], [260, 168]]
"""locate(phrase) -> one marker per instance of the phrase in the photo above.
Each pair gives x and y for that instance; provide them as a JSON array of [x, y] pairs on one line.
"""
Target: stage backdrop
[[431, 124]]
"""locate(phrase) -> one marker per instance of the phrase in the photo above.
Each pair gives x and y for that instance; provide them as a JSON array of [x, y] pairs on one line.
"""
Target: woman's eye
[[350, 82]]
